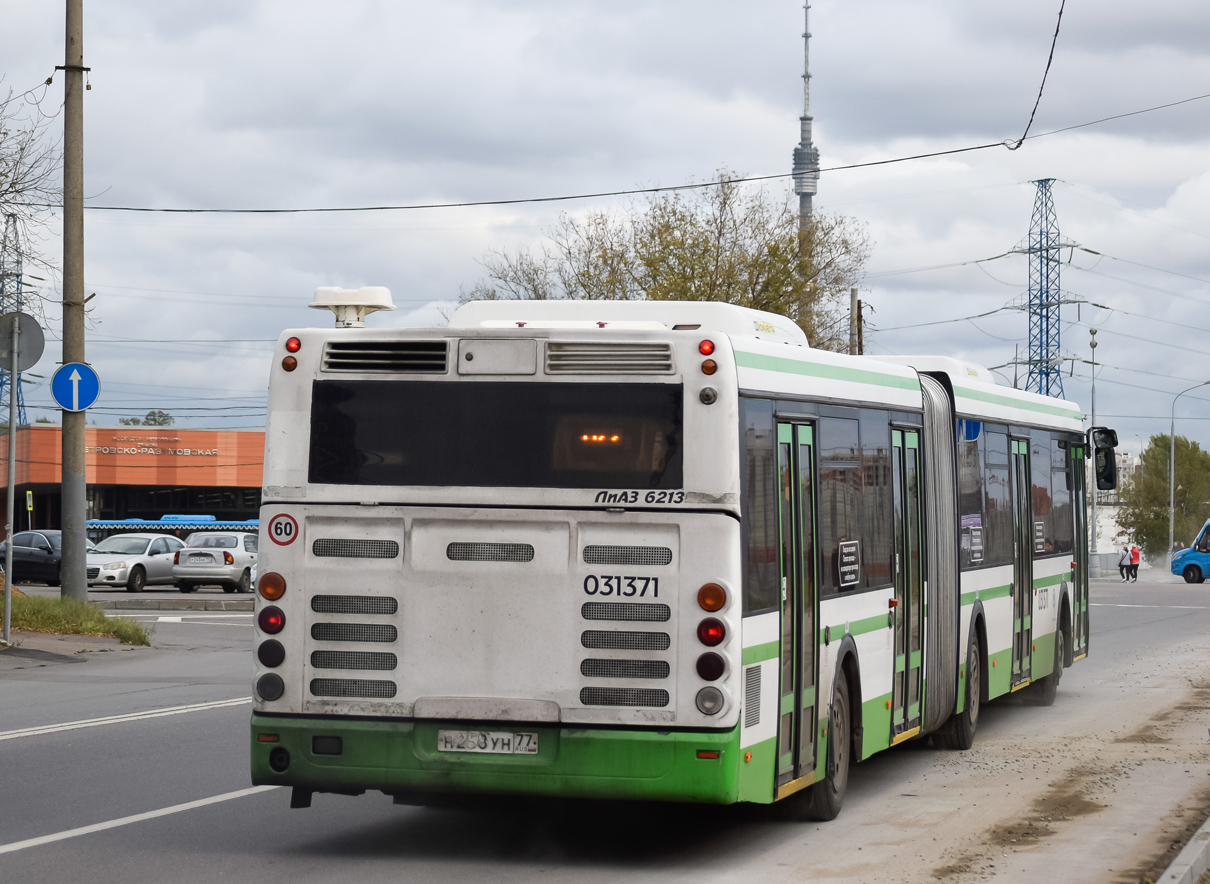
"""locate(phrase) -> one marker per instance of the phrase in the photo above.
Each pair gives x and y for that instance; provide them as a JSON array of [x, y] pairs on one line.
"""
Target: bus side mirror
[[1105, 464]]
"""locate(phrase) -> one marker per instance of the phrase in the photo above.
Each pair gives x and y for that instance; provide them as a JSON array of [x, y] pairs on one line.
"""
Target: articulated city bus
[[648, 550]]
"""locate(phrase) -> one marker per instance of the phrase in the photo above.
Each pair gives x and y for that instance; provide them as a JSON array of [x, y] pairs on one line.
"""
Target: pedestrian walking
[[1124, 563], [1134, 564]]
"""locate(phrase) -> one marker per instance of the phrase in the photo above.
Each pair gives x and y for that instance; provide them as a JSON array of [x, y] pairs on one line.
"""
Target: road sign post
[[22, 344], [75, 387]]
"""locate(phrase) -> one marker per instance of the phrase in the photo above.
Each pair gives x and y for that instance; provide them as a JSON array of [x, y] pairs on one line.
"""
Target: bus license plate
[[488, 742]]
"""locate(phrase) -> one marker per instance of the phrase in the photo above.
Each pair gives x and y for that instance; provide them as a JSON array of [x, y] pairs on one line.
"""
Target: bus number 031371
[[621, 586]]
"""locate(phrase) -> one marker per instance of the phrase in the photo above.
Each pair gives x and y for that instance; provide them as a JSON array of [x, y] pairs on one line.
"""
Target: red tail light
[[711, 632], [705, 348], [176, 557], [271, 620], [293, 345], [228, 559]]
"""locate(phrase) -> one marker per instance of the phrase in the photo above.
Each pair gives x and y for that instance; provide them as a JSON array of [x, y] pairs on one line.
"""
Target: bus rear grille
[[629, 611], [598, 639], [333, 548], [752, 696], [489, 552], [353, 632], [627, 555], [353, 660], [395, 357], [624, 697], [353, 604], [352, 687], [624, 668], [584, 358]]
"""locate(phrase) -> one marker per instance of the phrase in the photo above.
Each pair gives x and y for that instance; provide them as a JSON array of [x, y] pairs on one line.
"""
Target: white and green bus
[[648, 550]]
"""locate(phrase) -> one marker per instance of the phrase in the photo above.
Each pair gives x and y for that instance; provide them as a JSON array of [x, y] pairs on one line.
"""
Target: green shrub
[[70, 617]]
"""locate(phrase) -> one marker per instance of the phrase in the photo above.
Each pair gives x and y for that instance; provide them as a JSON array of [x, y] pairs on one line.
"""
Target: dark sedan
[[36, 556]]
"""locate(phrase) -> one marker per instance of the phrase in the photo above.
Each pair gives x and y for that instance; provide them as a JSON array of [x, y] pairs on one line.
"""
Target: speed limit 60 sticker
[[283, 529]]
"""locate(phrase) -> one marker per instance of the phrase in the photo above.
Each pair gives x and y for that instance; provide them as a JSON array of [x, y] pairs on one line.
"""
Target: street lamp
[[1172, 470]]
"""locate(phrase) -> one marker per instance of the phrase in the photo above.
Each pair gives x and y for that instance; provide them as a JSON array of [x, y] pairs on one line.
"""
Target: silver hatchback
[[216, 557]]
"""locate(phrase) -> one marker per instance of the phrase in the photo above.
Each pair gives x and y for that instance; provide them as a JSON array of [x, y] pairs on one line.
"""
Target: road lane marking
[[1165, 607], [119, 719], [128, 820]]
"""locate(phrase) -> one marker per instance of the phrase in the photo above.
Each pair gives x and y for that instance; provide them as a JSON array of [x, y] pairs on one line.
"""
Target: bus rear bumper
[[402, 758]]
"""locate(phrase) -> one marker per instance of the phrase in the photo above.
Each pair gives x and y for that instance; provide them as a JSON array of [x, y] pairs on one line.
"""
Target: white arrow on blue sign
[[75, 386]]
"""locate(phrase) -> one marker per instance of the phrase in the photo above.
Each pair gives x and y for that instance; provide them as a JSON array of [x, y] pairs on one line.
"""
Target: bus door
[[799, 635], [1023, 562], [907, 605], [1079, 588]]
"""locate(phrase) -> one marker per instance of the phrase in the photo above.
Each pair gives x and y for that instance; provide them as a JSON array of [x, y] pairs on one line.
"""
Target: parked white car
[[222, 557], [132, 560]]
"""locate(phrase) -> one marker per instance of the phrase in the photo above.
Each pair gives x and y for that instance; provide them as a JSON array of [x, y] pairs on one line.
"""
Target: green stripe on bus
[[996, 399], [994, 592], [821, 370], [1052, 581], [857, 627], [757, 653]]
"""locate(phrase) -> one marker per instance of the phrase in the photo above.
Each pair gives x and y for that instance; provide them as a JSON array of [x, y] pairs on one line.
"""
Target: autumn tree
[[1144, 497], [724, 242]]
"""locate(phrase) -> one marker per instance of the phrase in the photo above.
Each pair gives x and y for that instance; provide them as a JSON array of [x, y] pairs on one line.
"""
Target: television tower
[[806, 155], [12, 299], [1045, 297]]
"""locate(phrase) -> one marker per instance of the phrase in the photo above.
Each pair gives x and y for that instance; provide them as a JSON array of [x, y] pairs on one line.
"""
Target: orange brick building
[[141, 472]]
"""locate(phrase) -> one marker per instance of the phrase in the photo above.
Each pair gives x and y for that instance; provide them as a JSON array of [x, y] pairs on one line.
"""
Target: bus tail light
[[705, 348], [271, 653], [711, 597], [228, 559], [709, 366], [710, 666], [293, 345], [711, 632], [271, 620], [271, 586], [709, 754], [710, 701], [289, 363]]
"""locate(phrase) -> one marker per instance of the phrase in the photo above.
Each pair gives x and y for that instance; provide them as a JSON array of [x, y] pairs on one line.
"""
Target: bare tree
[[728, 242], [29, 172]]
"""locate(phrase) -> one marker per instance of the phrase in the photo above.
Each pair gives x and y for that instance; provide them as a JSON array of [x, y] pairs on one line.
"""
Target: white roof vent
[[352, 305]]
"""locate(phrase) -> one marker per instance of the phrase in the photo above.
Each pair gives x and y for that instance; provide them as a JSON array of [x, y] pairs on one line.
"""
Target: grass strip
[[71, 617]]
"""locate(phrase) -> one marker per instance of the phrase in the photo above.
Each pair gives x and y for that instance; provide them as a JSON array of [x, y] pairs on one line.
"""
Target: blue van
[[1194, 563]]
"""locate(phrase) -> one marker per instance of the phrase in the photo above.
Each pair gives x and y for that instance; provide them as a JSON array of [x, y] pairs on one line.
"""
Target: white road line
[[119, 719], [1165, 607], [127, 820]]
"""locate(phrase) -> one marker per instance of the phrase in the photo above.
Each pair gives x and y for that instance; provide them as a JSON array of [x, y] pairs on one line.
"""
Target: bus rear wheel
[[1193, 574], [1048, 687], [823, 800]]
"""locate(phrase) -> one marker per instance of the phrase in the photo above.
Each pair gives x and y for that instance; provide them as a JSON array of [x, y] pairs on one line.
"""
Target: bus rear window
[[538, 435]]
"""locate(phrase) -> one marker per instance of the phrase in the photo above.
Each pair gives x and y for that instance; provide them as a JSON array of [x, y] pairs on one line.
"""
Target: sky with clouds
[[275, 104]]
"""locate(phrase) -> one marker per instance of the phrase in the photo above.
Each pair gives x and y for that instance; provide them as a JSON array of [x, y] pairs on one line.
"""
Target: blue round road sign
[[75, 386]]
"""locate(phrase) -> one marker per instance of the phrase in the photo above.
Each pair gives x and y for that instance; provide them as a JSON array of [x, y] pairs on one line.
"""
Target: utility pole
[[72, 495], [1094, 569], [853, 302]]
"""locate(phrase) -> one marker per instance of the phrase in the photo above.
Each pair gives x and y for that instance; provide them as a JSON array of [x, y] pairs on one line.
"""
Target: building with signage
[[141, 472]]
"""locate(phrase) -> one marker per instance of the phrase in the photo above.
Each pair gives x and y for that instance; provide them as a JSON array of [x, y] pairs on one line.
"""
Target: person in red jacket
[[1134, 564]]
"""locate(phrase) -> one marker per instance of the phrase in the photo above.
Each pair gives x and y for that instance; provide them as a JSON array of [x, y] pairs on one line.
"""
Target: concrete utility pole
[[72, 503], [853, 302], [1094, 569]]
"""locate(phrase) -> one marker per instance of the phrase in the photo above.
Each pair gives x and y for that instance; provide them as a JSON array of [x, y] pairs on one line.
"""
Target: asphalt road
[[1127, 737]]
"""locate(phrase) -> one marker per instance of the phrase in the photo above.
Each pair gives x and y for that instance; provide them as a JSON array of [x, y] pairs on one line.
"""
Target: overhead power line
[[1054, 42], [632, 191]]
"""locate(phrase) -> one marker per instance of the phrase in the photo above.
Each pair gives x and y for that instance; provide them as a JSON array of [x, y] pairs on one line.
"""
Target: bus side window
[[762, 568]]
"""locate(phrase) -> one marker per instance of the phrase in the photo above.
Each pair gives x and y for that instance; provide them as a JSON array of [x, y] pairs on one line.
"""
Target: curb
[[174, 604], [1191, 862]]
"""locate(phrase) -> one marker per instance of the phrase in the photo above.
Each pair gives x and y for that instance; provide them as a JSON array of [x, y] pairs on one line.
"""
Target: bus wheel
[[823, 800], [959, 731], [1193, 574], [1048, 687]]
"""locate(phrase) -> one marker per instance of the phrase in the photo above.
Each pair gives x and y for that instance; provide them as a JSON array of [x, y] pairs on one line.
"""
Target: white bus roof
[[706, 316], [977, 393]]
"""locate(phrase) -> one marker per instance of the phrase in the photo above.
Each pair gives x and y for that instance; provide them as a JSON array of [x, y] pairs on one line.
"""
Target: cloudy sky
[[275, 104]]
